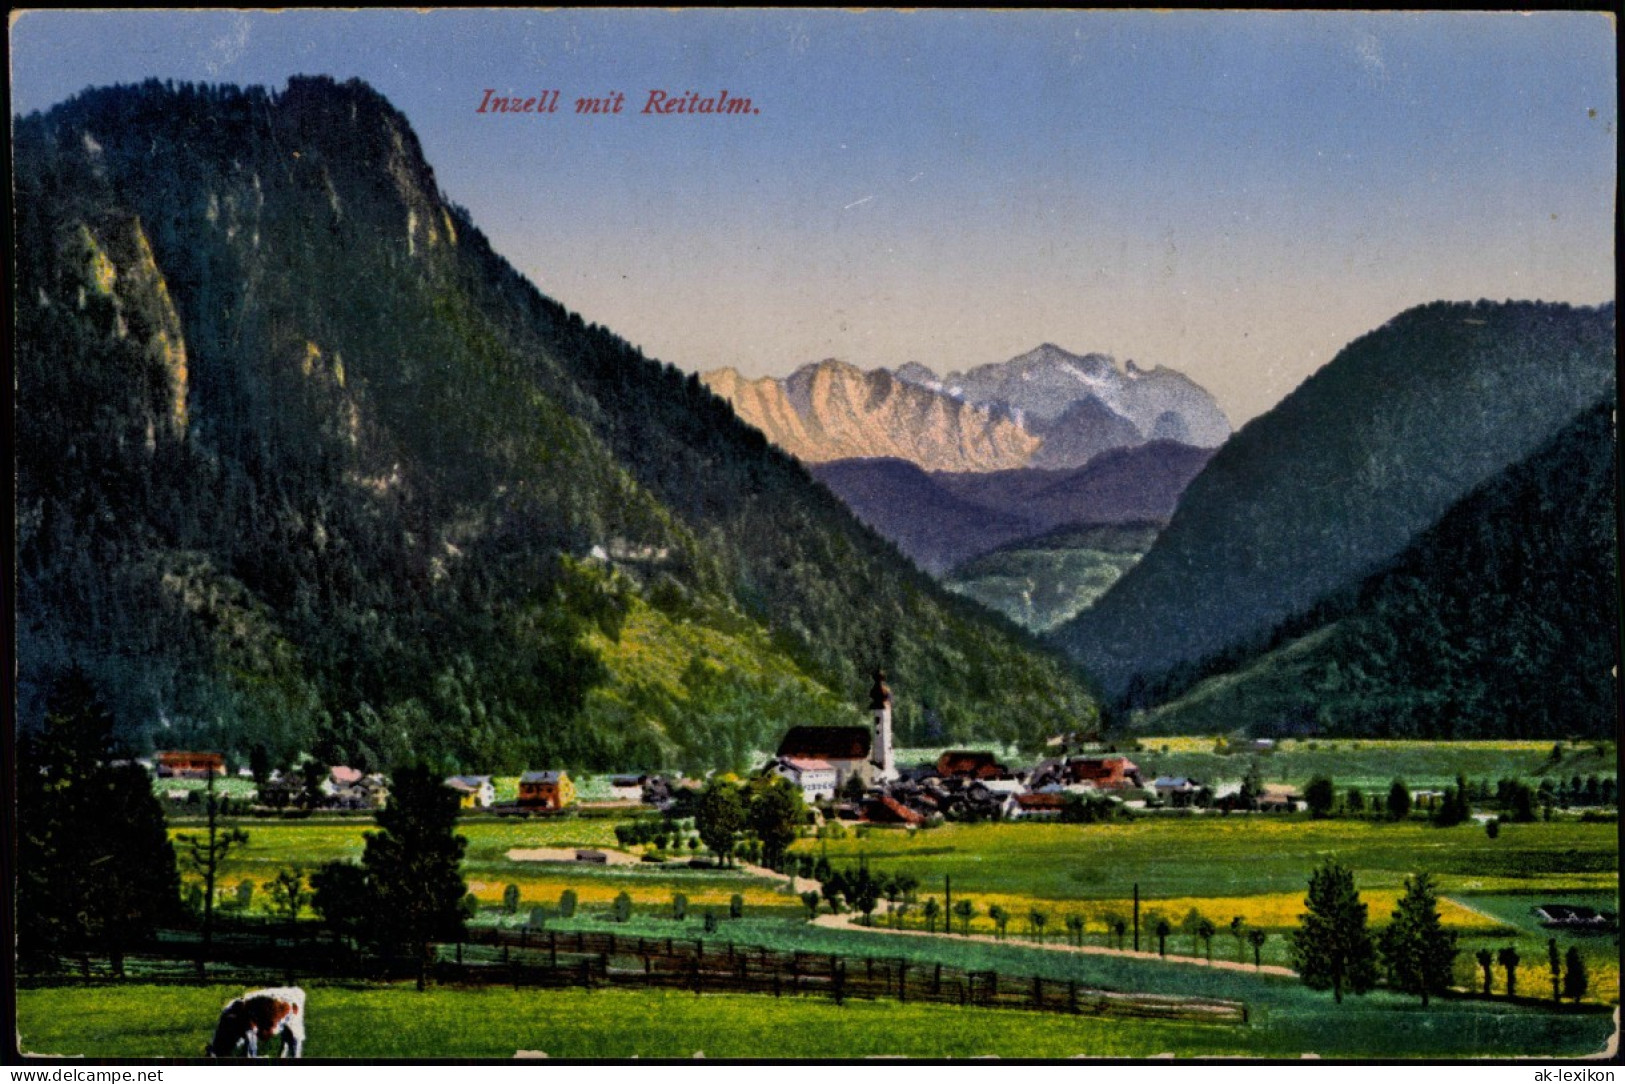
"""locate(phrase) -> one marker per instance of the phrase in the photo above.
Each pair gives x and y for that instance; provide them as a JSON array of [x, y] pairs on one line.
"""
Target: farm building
[[1046, 805], [473, 791], [885, 809], [844, 748], [1106, 773], [970, 764], [627, 788], [1566, 916], [546, 790], [184, 765], [1176, 790]]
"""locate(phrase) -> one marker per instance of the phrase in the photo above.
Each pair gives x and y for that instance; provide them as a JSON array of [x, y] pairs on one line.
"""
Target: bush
[[567, 903]]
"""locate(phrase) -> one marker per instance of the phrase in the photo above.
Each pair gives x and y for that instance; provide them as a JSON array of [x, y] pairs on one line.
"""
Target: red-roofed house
[[969, 764], [1107, 773], [888, 810], [182, 765]]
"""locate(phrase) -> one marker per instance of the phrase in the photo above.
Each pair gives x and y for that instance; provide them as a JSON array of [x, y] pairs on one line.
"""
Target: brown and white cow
[[257, 1016]]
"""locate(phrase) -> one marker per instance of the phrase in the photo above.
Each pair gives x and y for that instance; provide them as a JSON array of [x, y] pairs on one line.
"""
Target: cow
[[256, 1017]]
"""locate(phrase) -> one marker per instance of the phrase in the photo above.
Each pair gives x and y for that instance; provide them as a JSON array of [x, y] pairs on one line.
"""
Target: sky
[[1235, 195]]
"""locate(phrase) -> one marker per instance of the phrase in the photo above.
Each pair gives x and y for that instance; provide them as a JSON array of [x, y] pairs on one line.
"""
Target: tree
[[932, 909], [1205, 929], [679, 906], [1191, 926], [1162, 929], [205, 854], [1001, 918], [775, 813], [1492, 827], [95, 867], [414, 867], [1238, 930], [621, 908], [289, 894], [964, 910], [1320, 796], [1331, 948], [1252, 785], [510, 899], [341, 896], [719, 817], [809, 900], [1574, 977], [1486, 963], [736, 906], [1355, 802], [1256, 938], [567, 903], [1038, 920], [1117, 924], [1417, 950], [1509, 960], [1074, 929], [1454, 809], [1399, 800]]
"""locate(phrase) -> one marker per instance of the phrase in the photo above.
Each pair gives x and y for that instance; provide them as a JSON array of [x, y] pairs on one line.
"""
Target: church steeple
[[881, 749]]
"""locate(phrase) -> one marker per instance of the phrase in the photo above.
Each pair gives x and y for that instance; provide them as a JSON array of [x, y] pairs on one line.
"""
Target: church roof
[[827, 742]]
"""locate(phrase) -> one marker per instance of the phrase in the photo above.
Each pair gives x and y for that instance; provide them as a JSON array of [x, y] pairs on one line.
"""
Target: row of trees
[[1333, 949]]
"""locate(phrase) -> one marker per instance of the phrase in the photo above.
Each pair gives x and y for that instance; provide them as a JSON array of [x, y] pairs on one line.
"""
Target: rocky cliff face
[[1047, 408], [832, 410]]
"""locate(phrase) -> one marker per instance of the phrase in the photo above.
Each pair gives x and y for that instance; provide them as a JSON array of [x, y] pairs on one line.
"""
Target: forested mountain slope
[[1336, 480], [302, 462]]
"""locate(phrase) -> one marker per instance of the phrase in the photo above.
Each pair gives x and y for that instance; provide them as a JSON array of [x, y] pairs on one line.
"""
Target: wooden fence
[[592, 960], [588, 959]]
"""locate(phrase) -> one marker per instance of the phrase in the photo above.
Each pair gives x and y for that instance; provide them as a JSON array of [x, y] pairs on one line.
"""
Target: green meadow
[[396, 1021]]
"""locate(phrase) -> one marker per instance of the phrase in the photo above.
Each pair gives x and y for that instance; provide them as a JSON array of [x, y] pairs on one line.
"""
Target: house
[[884, 809], [473, 791], [845, 749], [183, 765], [817, 778], [1045, 805], [627, 788], [1279, 798], [1176, 790], [970, 764], [1107, 773], [546, 790], [1566, 916]]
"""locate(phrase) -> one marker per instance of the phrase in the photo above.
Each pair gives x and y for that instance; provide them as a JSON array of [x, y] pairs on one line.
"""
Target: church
[[821, 759]]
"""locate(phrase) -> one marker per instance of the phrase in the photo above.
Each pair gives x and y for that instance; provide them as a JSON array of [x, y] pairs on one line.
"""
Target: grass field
[[398, 1022], [1372, 765]]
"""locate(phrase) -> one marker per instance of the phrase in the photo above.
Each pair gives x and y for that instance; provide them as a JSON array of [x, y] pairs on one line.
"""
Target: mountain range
[[1338, 479], [304, 464], [940, 519], [1047, 409], [1500, 620]]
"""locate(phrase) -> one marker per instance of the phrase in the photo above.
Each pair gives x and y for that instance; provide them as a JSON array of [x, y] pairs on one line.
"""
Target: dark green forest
[[1336, 480], [1501, 620], [304, 464]]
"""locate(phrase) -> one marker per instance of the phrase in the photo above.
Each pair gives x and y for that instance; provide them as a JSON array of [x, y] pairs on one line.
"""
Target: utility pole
[[1136, 916]]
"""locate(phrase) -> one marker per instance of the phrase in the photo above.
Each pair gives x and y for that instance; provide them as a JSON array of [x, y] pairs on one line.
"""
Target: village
[[843, 773]]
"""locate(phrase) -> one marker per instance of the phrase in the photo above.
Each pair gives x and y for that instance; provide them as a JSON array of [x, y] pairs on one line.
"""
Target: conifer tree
[[1416, 948], [414, 866], [1332, 949]]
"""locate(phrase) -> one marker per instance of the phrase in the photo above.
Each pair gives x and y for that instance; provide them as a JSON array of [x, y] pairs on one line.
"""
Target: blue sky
[[1235, 195]]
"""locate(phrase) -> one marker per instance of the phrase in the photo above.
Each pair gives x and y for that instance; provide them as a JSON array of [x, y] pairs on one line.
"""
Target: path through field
[[847, 922]]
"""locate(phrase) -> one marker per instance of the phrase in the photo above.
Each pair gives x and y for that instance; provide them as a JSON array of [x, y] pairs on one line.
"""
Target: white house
[[816, 777], [475, 791]]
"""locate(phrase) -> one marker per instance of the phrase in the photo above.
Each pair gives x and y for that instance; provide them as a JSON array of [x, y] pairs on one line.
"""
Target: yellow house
[[546, 790]]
